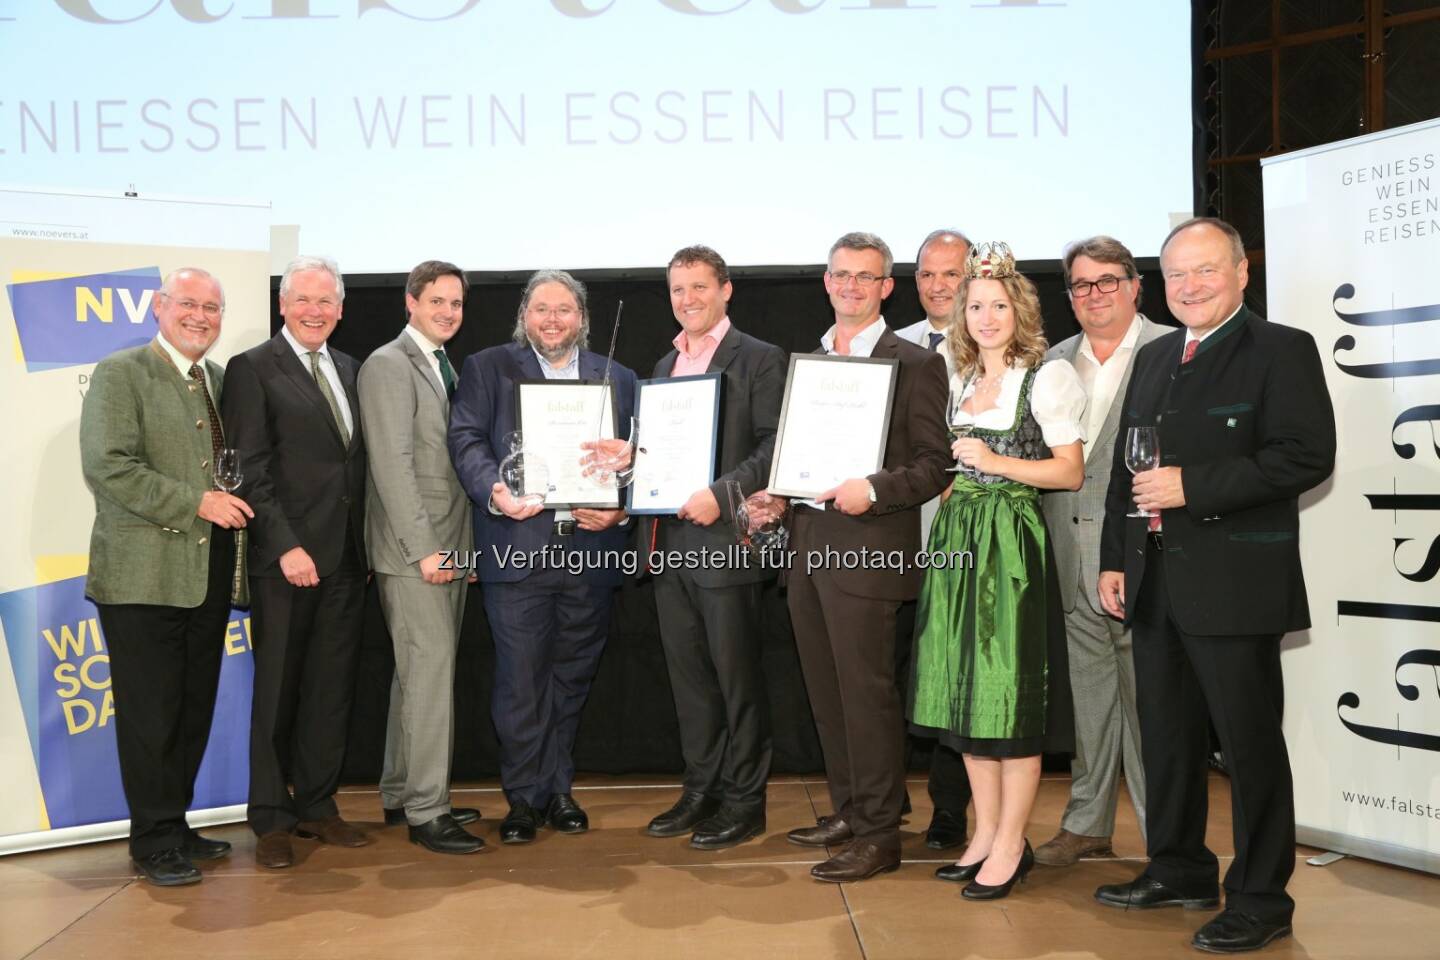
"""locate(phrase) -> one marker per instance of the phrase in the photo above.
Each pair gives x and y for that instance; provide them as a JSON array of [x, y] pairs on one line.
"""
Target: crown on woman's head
[[990, 261]]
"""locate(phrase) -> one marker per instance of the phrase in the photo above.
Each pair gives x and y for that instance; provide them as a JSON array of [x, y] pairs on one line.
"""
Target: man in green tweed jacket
[[162, 562]]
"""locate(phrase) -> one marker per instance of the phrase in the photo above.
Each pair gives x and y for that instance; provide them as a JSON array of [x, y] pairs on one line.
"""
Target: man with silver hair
[[162, 563], [549, 624], [291, 412]]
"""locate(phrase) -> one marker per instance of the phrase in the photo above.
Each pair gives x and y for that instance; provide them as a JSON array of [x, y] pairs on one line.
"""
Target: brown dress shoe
[[332, 830], [860, 860], [273, 850], [1065, 849], [827, 830]]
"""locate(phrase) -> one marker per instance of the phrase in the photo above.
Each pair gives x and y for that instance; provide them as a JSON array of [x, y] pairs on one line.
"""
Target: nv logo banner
[[62, 670], [79, 320]]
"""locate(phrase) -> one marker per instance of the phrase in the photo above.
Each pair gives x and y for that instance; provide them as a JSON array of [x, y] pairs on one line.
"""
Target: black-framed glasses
[[1106, 284], [842, 277]]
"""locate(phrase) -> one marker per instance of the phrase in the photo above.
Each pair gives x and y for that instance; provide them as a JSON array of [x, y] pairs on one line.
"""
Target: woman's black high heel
[[979, 891], [956, 873]]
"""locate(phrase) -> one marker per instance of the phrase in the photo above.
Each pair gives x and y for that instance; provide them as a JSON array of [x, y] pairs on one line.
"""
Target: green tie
[[329, 395], [447, 374]]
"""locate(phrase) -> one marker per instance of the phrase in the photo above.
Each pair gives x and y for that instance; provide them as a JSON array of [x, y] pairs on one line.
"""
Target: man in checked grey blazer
[[1104, 287], [416, 510]]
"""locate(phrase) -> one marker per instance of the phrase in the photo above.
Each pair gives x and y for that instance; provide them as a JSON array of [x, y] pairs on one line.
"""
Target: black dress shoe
[[728, 828], [168, 868], [690, 809], [444, 835], [860, 860], [1147, 893], [461, 815], [197, 847], [565, 814], [956, 873], [521, 823], [976, 890], [946, 830], [829, 830], [1235, 932]]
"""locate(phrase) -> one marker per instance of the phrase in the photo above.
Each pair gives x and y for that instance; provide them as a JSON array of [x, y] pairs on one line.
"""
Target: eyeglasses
[[211, 310], [842, 277], [1106, 284], [559, 313]]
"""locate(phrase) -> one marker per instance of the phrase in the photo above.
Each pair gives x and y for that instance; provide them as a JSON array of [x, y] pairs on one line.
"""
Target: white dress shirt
[[327, 368], [184, 363], [427, 348], [861, 344], [1102, 380]]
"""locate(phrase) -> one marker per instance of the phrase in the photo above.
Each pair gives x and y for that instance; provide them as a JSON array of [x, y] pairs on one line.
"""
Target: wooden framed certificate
[[834, 422], [679, 431], [555, 417]]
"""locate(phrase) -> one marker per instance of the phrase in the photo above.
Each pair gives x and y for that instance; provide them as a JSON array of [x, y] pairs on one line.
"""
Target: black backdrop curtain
[[629, 722]]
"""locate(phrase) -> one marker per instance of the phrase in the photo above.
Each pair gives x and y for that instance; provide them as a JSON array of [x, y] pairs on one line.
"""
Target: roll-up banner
[[80, 273], [1352, 254]]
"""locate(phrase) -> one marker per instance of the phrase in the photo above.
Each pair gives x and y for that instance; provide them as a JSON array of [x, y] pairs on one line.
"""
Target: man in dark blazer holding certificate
[[418, 516], [1212, 584], [549, 622], [290, 411], [844, 619], [710, 618]]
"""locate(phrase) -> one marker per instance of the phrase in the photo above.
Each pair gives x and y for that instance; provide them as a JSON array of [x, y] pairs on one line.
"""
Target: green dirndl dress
[[991, 674]]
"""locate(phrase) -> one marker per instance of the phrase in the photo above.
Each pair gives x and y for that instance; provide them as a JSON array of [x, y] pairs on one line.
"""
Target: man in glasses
[[291, 412], [710, 618], [939, 270], [1104, 287], [845, 619], [549, 622], [162, 563]]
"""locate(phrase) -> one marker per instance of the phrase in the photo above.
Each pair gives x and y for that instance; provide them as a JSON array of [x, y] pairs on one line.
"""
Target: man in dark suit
[[162, 560], [1212, 584], [844, 619], [417, 512], [549, 623], [290, 411], [710, 618]]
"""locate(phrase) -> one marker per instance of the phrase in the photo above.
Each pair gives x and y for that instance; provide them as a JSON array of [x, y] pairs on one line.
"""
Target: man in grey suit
[[939, 269], [710, 618], [418, 525], [1104, 287]]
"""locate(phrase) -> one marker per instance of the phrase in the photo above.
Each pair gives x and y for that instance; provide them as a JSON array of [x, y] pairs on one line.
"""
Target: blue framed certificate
[[679, 429]]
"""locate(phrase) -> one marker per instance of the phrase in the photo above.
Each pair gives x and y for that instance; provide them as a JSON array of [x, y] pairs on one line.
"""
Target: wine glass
[[1142, 452], [611, 461], [524, 474], [954, 417], [759, 519], [228, 474]]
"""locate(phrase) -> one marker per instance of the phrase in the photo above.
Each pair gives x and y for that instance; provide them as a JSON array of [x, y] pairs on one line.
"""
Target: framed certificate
[[834, 422], [679, 429], [555, 417]]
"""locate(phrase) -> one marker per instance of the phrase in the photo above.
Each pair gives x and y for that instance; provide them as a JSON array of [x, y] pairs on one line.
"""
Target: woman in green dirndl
[[991, 679]]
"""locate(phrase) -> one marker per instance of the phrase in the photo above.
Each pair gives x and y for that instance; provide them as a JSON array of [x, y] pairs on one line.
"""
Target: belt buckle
[[564, 528]]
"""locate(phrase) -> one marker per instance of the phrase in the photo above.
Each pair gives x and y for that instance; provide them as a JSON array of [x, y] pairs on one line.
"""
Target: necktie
[[329, 395], [1190, 347], [217, 434], [447, 374], [935, 339]]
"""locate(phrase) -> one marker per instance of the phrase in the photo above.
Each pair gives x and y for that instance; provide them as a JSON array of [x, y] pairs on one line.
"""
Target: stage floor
[[616, 893]]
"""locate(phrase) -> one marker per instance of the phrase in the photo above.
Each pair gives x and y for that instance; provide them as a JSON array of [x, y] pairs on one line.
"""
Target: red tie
[[1190, 347]]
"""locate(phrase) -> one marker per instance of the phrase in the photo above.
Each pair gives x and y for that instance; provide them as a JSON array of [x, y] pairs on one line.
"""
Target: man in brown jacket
[[844, 619]]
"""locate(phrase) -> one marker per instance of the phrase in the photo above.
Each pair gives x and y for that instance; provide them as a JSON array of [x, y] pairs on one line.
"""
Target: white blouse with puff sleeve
[[1057, 399]]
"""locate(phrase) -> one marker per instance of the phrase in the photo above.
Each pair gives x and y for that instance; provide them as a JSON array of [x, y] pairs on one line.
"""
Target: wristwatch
[[873, 498]]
